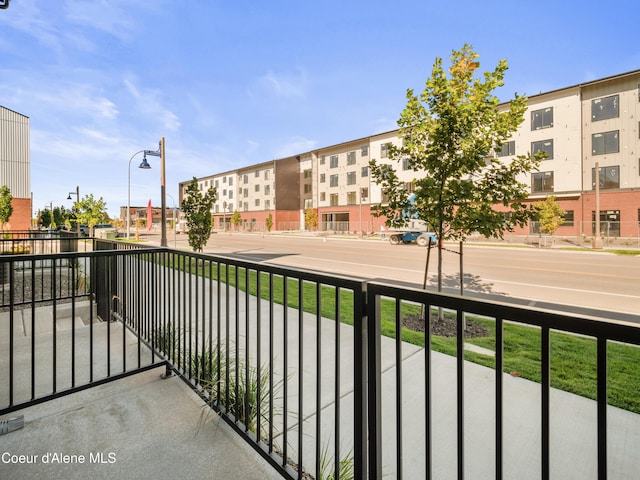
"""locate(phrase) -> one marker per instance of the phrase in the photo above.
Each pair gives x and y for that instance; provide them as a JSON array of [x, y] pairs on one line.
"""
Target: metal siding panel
[[14, 153]]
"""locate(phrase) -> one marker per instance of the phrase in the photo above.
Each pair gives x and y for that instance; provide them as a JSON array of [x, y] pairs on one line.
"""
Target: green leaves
[[6, 209], [549, 215], [90, 211], [449, 132], [196, 208]]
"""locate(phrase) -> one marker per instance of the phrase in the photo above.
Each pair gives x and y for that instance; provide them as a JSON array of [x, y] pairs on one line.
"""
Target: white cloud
[[28, 18], [150, 105], [294, 146], [283, 84]]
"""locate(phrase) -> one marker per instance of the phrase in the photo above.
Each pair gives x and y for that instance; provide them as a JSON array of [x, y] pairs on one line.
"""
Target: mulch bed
[[445, 327]]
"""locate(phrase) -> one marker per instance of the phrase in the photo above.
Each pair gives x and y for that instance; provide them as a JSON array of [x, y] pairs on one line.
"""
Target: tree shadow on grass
[[473, 284]]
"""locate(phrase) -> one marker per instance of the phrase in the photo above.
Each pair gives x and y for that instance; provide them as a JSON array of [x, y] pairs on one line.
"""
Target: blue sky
[[231, 84]]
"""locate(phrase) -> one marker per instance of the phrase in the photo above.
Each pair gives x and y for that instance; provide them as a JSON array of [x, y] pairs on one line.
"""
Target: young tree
[[450, 134], [6, 208], [549, 214], [90, 211], [196, 209], [311, 218], [236, 219], [269, 222]]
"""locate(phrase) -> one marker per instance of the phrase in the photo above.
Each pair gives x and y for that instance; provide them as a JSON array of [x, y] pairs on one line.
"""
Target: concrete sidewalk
[[140, 427]]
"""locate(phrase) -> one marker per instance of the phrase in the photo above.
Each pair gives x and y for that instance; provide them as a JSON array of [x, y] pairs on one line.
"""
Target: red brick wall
[[21, 217], [627, 202]]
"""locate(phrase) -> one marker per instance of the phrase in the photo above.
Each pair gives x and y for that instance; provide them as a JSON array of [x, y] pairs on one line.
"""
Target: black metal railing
[[319, 373]]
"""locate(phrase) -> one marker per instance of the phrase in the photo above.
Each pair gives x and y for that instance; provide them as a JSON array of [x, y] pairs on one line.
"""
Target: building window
[[603, 108], [257, 202], [568, 218], [267, 204], [351, 158], [333, 181], [507, 149], [609, 222], [216, 184], [256, 188], [333, 161], [307, 188], [245, 193], [545, 146], [257, 174], [267, 189], [384, 196], [308, 203], [322, 178], [333, 199], [306, 174], [351, 198], [322, 160], [384, 150], [542, 118], [409, 187], [609, 177], [364, 151], [323, 196], [230, 181], [364, 172], [266, 174], [406, 164], [230, 193], [364, 194], [224, 179], [606, 142], [541, 182], [246, 206], [246, 178], [351, 178]]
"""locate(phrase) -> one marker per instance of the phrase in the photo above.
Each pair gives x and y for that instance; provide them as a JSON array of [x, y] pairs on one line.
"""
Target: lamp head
[[144, 163], [69, 197]]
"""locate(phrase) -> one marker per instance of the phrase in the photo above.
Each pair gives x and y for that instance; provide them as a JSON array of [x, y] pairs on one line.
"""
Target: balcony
[[153, 362]]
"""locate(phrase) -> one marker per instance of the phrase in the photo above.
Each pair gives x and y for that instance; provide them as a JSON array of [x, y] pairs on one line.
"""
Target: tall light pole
[[163, 195], [77, 194]]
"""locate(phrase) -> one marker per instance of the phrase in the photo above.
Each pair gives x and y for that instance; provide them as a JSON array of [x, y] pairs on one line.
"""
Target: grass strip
[[573, 358]]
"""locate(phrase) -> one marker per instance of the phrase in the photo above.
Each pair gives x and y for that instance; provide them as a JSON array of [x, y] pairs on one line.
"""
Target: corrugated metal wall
[[14, 153]]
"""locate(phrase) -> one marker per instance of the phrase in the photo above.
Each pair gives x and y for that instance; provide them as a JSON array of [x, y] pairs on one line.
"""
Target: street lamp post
[[77, 194], [163, 196], [145, 165]]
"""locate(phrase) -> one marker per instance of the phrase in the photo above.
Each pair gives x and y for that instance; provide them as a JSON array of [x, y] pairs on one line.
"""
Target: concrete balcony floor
[[138, 427]]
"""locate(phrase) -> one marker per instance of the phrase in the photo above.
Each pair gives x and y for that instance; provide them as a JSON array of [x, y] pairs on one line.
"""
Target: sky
[[232, 84]]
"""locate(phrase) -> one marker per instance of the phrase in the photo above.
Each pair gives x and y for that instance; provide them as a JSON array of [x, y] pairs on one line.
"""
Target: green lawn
[[573, 358]]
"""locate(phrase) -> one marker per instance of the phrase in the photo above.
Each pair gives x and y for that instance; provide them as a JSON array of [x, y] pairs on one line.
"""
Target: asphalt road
[[578, 280]]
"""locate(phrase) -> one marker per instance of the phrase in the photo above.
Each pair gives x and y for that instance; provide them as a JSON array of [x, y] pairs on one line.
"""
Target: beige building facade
[[578, 127]]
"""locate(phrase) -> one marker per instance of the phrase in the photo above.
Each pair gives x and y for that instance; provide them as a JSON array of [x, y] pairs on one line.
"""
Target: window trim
[[596, 101], [541, 112], [604, 143], [541, 142]]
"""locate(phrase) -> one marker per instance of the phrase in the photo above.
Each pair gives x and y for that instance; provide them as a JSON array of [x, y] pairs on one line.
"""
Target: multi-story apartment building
[[15, 168], [578, 127], [252, 192]]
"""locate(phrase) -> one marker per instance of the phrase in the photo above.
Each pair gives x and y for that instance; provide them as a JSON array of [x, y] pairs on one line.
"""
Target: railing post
[[372, 374], [360, 382]]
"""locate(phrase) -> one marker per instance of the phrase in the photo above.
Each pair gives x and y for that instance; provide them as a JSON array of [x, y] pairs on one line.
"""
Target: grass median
[[573, 358]]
